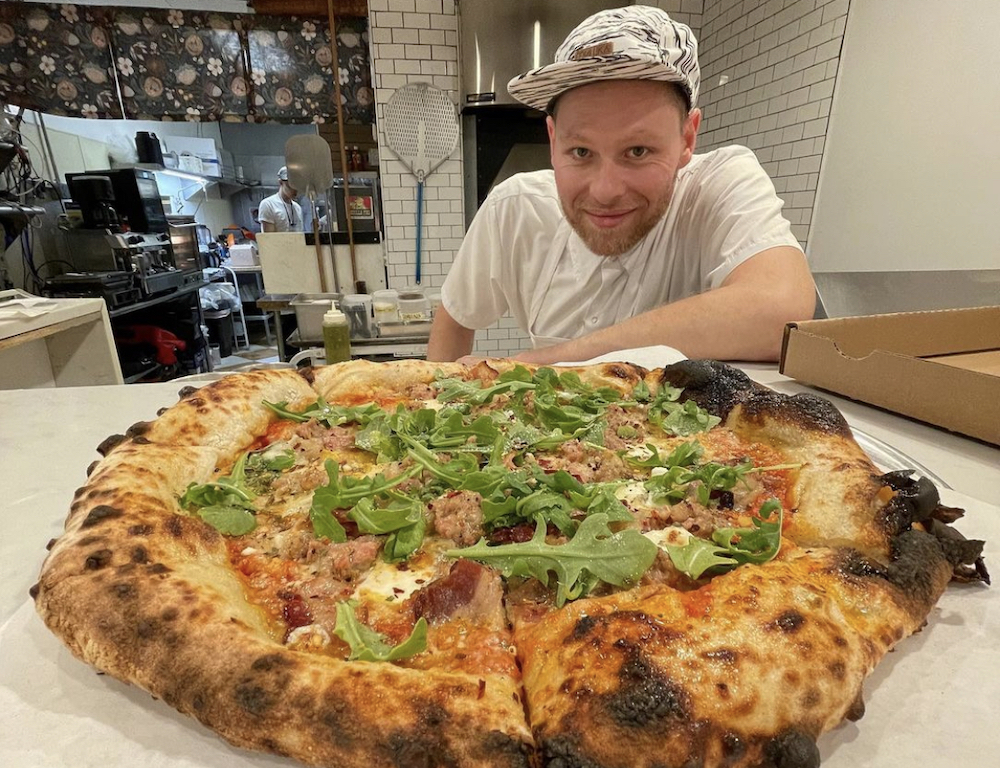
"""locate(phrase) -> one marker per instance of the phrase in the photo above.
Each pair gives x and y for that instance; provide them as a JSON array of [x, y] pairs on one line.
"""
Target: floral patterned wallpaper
[[57, 59], [291, 66], [175, 64]]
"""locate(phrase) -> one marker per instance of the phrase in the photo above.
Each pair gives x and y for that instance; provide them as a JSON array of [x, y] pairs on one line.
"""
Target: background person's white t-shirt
[[521, 257], [285, 216]]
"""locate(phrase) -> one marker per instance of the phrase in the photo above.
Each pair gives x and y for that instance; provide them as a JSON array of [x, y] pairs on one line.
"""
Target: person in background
[[631, 240], [280, 212]]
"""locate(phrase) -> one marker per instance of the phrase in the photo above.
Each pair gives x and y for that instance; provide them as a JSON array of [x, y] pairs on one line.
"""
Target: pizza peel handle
[[421, 128], [310, 170]]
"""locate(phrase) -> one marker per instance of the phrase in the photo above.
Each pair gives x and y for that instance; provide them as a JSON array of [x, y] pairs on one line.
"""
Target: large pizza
[[416, 564]]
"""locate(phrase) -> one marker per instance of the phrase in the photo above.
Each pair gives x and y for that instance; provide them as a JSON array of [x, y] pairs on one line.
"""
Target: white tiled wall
[[781, 59], [417, 41], [780, 56]]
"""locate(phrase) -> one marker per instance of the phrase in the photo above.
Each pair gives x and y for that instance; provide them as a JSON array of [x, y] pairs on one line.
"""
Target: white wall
[[911, 177]]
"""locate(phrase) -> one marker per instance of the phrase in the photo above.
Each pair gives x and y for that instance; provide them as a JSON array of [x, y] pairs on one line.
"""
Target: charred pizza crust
[[746, 671]]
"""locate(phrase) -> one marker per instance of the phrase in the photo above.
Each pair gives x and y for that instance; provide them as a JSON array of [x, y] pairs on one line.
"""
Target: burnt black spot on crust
[[914, 500], [271, 662], [137, 429], [174, 526], [253, 698], [98, 559], [186, 392], [170, 614], [140, 555], [565, 752], [51, 543], [140, 440], [109, 443], [409, 751], [645, 696], [793, 749], [857, 709], [503, 750], [92, 467], [582, 628], [99, 514], [158, 569], [124, 591], [715, 386], [790, 622], [733, 747], [140, 530], [725, 655], [307, 373], [34, 590], [161, 411], [806, 411]]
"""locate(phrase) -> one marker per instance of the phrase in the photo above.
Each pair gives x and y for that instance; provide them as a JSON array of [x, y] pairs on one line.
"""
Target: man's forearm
[[449, 339], [741, 320]]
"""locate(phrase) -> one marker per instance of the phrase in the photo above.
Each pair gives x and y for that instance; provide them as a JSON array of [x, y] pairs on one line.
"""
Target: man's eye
[[638, 152], [579, 153]]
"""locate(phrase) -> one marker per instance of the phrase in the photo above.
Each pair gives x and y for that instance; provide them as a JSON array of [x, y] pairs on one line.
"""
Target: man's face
[[288, 191], [616, 149]]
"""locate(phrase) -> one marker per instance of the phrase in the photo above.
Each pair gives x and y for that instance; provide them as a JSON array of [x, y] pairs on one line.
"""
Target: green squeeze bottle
[[336, 336]]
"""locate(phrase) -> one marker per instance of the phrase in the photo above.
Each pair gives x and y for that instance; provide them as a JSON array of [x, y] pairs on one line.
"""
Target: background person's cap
[[636, 42], [283, 173]]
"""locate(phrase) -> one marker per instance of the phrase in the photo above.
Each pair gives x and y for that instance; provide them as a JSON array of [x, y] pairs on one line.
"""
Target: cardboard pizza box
[[942, 366]]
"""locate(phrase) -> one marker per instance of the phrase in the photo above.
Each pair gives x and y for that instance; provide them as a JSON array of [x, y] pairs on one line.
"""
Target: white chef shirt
[[286, 216], [521, 256]]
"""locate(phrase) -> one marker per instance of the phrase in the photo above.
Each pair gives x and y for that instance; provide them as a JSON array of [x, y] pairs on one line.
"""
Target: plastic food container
[[414, 307], [358, 308], [309, 310], [385, 305]]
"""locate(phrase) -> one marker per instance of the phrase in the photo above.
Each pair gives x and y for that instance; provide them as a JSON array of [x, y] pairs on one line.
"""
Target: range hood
[[500, 39]]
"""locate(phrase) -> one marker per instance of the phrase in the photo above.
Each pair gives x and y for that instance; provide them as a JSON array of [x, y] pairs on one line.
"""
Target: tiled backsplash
[[780, 58]]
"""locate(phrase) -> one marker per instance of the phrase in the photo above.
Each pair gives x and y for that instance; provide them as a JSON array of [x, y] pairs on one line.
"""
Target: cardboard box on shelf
[[942, 366]]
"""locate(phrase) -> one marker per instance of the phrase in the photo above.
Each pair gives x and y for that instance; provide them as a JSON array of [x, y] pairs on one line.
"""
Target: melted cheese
[[673, 535], [386, 583]]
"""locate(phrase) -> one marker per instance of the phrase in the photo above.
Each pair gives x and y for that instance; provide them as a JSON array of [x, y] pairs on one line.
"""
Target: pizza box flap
[[942, 367]]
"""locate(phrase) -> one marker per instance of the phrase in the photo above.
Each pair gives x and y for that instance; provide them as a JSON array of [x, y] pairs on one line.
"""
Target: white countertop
[[48, 438]]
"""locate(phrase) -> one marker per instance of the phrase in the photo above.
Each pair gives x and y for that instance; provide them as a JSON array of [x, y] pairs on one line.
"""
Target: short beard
[[615, 243]]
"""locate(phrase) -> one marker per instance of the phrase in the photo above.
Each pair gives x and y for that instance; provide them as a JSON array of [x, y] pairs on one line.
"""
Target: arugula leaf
[[681, 419], [684, 455], [331, 415], [232, 521], [731, 547], [402, 518], [672, 485], [368, 645], [225, 503], [344, 493], [475, 393], [687, 419], [325, 525], [593, 554], [263, 467]]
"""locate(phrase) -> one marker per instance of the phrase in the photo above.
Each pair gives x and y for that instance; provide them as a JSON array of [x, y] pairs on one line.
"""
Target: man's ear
[[690, 132], [550, 125]]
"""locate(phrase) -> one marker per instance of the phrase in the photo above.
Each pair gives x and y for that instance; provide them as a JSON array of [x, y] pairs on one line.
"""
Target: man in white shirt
[[631, 240], [280, 212]]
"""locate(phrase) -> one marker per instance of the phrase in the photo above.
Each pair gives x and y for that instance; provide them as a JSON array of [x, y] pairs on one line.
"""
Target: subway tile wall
[[780, 57]]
